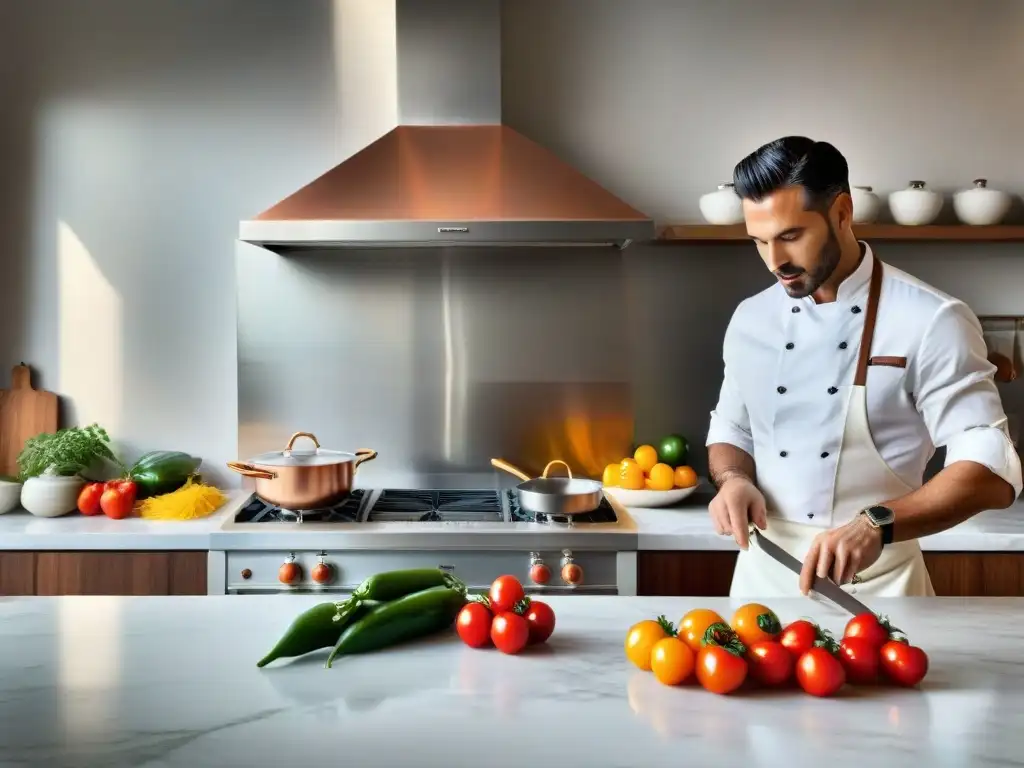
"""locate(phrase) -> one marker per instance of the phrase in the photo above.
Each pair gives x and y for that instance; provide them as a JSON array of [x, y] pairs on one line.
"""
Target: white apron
[[863, 479]]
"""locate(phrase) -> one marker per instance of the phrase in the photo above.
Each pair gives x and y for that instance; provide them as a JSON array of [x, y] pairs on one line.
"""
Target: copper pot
[[303, 480]]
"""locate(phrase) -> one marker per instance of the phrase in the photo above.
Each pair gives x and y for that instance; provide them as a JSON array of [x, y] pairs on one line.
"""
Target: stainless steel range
[[477, 534]]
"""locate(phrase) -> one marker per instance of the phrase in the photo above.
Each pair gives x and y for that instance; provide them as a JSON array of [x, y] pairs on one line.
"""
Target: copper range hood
[[450, 174]]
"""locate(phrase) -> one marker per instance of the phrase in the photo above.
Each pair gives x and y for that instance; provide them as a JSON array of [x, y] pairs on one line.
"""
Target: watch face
[[881, 515]]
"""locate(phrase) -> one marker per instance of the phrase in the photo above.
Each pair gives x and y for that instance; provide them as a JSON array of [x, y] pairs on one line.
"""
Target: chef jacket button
[[794, 310], [855, 310], [790, 345], [781, 390], [783, 454], [810, 515], [842, 345], [824, 455], [832, 390]]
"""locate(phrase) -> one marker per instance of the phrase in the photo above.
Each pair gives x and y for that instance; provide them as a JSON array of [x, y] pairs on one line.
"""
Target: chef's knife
[[824, 587]]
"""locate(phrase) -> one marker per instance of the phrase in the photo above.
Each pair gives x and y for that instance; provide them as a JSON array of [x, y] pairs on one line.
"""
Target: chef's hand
[[737, 504], [841, 553]]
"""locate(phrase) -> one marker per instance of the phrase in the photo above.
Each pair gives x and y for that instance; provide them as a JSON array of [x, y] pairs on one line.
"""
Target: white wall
[[135, 135]]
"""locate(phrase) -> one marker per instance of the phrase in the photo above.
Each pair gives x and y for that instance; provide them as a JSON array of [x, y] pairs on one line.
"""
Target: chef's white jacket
[[789, 364]]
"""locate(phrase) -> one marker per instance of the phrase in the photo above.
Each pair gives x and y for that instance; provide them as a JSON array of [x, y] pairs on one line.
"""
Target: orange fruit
[[695, 623], [661, 477], [641, 639], [611, 475], [627, 460], [646, 456], [631, 477], [672, 661], [755, 623], [685, 477]]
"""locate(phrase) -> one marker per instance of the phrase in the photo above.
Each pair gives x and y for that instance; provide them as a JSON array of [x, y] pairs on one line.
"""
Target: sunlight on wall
[[88, 665], [90, 315]]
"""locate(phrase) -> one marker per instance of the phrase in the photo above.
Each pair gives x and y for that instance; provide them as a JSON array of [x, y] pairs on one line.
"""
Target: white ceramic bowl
[[51, 496], [980, 206], [915, 206], [10, 496], [647, 498]]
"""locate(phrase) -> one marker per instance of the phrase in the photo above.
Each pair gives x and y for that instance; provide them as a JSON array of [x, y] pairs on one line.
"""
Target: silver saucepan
[[554, 496]]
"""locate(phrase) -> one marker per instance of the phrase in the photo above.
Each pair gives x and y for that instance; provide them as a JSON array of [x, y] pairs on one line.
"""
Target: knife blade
[[824, 587]]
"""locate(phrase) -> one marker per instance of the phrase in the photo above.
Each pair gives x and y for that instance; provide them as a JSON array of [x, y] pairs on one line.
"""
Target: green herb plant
[[66, 452]]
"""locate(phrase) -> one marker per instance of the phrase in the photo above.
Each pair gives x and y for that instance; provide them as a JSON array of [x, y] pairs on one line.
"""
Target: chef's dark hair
[[794, 161]]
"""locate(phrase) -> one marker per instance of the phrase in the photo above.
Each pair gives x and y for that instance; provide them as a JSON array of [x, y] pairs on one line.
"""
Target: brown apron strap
[[868, 335]]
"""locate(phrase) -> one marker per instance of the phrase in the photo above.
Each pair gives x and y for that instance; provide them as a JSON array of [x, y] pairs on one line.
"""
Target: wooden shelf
[[710, 233]]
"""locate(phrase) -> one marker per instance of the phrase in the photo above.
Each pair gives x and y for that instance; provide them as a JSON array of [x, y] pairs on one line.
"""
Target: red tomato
[[721, 667], [819, 672], [903, 663], [541, 621], [118, 499], [89, 499], [870, 628], [770, 663], [509, 632], [799, 637], [859, 659], [474, 625], [505, 592]]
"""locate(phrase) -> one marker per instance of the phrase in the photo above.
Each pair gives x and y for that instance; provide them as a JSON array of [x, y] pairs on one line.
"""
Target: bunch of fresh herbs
[[66, 452]]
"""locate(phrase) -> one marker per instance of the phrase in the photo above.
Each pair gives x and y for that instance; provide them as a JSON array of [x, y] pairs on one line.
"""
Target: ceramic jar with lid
[[981, 206], [915, 206], [723, 206], [866, 205]]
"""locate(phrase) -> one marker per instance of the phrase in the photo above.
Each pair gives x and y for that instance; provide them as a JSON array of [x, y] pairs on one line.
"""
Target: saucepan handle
[[364, 454], [248, 470], [506, 467]]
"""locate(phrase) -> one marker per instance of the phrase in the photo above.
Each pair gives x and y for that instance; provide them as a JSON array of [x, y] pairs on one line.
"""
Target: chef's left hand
[[841, 553]]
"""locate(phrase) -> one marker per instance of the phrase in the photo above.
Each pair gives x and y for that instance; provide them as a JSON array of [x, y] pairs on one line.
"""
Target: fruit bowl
[[647, 498]]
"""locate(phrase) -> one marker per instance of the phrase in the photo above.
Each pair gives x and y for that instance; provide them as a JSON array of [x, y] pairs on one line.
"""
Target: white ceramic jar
[[866, 205], [723, 206], [10, 496], [51, 495], [981, 206], [915, 206]]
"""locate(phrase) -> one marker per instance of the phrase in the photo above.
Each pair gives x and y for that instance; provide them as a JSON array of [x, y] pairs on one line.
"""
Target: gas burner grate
[[407, 505], [603, 514], [259, 511]]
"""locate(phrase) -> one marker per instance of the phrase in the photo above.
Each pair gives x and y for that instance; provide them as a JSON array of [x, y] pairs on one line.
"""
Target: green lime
[[673, 450]]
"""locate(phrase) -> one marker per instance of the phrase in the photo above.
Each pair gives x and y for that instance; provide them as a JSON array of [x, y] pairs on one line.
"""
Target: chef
[[840, 380]]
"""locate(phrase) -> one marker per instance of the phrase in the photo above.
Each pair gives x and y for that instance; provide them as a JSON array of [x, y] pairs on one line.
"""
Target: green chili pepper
[[407, 618], [319, 627]]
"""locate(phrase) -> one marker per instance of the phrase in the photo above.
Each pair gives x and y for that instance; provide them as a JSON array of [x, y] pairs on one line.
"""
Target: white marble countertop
[[686, 527], [168, 681]]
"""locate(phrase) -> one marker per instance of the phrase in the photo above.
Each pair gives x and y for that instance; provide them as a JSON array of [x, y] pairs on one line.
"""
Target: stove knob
[[322, 573], [572, 573], [246, 573], [289, 572], [539, 572]]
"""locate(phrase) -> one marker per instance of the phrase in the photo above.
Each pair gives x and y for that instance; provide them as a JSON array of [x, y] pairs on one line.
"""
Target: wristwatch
[[882, 518]]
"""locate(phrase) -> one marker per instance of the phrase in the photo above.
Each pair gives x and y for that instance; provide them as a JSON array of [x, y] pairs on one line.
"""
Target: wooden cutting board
[[24, 413]]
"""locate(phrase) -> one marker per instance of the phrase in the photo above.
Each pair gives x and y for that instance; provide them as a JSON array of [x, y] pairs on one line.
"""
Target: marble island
[[108, 681]]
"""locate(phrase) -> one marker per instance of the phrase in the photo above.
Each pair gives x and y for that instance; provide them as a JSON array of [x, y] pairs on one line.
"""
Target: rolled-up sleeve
[[730, 422], [957, 395]]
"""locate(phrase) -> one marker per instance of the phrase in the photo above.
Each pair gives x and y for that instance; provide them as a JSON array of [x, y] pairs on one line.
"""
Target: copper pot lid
[[313, 457]]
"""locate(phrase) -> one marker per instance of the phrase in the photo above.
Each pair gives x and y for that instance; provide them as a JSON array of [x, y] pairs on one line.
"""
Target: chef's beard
[[828, 260]]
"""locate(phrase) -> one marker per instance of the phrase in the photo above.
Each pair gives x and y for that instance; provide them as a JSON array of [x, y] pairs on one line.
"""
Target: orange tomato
[[695, 623], [671, 661], [611, 475], [660, 476], [641, 639], [646, 456], [631, 476], [685, 477], [755, 623]]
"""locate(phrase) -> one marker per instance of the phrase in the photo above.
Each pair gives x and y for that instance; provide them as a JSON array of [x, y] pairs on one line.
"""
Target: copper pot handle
[[248, 470], [363, 454], [552, 463], [506, 467], [296, 436]]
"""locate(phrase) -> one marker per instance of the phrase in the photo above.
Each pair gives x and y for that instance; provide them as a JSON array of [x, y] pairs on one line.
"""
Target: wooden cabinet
[[102, 573], [709, 573]]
